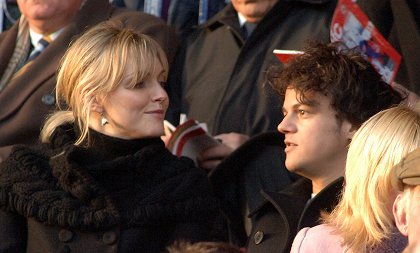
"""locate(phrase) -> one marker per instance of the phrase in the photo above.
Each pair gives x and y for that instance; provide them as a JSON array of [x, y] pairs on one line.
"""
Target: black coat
[[117, 196], [219, 78], [277, 221], [256, 165]]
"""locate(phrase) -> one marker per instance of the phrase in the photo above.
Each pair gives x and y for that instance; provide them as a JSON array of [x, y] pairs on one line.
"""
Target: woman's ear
[[399, 210], [96, 105]]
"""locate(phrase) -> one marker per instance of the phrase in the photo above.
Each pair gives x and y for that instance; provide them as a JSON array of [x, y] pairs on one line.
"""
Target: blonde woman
[[363, 219], [103, 180]]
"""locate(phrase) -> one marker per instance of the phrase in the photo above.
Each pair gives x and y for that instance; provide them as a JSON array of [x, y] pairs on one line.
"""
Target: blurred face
[[316, 142], [407, 213], [43, 14], [136, 112], [253, 10]]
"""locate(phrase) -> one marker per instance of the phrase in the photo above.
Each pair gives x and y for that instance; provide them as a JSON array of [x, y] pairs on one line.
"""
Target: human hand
[[211, 157], [168, 130], [165, 138]]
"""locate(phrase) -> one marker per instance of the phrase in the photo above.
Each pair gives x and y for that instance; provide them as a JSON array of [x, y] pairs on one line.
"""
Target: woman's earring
[[104, 121]]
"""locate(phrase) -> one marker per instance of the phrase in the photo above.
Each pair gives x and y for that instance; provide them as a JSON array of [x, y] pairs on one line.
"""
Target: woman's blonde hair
[[363, 217], [95, 65]]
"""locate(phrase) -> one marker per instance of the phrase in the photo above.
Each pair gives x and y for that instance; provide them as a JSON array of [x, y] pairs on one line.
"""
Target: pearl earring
[[104, 121]]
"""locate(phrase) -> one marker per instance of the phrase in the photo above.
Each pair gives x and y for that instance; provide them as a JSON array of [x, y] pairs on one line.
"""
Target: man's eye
[[301, 112]]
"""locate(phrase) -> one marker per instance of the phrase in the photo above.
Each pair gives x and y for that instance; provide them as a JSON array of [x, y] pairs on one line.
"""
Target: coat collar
[[297, 197], [325, 201], [296, 194]]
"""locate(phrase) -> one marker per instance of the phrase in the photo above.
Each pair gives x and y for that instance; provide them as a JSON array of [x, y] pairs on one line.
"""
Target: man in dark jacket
[[26, 90], [219, 76], [328, 94]]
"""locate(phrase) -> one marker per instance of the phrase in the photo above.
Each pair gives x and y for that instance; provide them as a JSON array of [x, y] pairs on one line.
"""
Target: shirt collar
[[242, 19], [35, 37]]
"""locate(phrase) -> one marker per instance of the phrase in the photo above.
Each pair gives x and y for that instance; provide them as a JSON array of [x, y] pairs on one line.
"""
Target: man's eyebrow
[[311, 103], [296, 106]]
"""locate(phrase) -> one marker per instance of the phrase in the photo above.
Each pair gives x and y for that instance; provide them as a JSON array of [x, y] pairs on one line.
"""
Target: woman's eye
[[139, 85], [162, 83]]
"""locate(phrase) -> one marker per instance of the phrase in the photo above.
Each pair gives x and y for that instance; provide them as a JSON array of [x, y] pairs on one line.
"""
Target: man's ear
[[349, 129], [399, 210], [353, 129]]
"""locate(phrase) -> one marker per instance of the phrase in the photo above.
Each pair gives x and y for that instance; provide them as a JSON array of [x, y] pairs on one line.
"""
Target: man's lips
[[289, 145]]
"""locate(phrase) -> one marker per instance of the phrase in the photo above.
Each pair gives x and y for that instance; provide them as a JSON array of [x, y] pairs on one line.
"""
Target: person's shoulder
[[320, 238], [129, 16], [12, 31]]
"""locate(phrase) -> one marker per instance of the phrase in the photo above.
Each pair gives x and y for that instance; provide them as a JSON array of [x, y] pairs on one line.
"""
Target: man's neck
[[318, 184], [46, 28]]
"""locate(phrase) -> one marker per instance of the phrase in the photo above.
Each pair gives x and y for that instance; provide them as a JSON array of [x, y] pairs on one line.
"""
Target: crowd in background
[[316, 154]]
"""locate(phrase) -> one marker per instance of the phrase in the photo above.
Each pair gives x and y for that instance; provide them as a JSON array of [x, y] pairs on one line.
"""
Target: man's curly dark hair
[[356, 90]]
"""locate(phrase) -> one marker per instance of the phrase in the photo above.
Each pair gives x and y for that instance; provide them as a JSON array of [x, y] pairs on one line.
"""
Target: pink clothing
[[317, 239]]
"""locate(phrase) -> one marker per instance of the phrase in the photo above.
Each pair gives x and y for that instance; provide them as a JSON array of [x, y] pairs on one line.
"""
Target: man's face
[[253, 10], [48, 10], [316, 141]]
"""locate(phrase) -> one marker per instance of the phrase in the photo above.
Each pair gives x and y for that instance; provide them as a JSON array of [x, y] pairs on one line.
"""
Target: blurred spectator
[[184, 15], [27, 86]]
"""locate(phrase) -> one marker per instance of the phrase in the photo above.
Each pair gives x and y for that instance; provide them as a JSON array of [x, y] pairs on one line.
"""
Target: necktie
[[39, 47], [247, 29]]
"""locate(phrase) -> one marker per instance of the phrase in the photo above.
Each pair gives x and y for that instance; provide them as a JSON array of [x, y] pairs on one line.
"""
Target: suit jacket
[[278, 220], [27, 100]]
